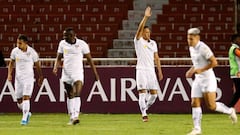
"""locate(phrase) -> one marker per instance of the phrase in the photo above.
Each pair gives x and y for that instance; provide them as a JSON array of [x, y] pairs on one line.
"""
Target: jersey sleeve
[[155, 49], [60, 47], [12, 55], [86, 49], [206, 52], [35, 56]]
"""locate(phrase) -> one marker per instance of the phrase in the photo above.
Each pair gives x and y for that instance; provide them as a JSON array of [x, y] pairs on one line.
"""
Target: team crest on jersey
[[77, 46]]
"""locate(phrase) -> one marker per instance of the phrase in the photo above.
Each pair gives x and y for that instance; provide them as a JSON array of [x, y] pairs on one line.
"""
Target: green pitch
[[116, 124]]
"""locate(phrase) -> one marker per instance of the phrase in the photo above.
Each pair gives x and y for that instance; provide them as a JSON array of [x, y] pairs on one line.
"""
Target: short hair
[[23, 37], [145, 27], [193, 31], [234, 37], [68, 29]]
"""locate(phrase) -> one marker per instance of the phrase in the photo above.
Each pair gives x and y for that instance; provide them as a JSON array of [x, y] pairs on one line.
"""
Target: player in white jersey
[[73, 50], [25, 57], [147, 57], [204, 85]]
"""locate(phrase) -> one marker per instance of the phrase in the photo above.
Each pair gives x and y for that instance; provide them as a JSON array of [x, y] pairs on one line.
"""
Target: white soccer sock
[[142, 103], [25, 109], [20, 106], [151, 100], [220, 107], [197, 117], [77, 105], [70, 106]]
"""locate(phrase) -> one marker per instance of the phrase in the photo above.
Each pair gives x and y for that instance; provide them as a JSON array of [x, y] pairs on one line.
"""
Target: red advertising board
[[116, 94]]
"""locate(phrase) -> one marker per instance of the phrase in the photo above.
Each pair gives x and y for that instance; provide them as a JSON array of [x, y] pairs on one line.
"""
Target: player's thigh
[[28, 88], [196, 91], [196, 102], [19, 86], [141, 80], [208, 84], [152, 81], [78, 78]]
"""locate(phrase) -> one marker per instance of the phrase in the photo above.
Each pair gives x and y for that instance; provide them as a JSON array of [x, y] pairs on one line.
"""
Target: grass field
[[116, 124]]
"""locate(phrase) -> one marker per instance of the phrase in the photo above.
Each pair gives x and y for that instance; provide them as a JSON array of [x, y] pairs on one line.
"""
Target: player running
[[204, 85]]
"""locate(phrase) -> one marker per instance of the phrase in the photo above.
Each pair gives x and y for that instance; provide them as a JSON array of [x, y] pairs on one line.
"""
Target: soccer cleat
[[28, 116], [145, 118], [25, 122], [195, 132], [233, 116], [73, 121]]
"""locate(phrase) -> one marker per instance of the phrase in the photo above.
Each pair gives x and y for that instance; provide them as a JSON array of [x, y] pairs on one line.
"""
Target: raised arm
[[147, 14]]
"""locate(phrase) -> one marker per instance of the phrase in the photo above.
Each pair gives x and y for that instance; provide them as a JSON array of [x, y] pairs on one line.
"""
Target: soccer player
[[72, 50], [24, 58], [234, 61], [147, 57], [204, 85]]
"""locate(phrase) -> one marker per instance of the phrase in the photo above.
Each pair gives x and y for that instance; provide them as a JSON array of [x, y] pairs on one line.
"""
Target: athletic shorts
[[70, 78], [146, 80], [23, 87], [202, 85]]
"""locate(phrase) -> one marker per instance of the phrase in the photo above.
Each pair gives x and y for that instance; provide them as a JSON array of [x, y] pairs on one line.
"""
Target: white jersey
[[73, 55], [200, 55], [145, 53], [24, 62]]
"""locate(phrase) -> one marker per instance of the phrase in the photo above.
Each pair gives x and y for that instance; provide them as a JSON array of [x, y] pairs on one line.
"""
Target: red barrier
[[117, 94]]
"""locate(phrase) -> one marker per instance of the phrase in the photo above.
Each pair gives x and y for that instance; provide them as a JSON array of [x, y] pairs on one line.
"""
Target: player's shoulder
[[153, 41], [15, 50], [203, 45], [31, 48], [62, 41], [81, 41]]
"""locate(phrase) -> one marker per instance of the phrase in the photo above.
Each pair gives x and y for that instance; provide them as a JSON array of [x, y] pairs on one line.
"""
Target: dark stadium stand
[[95, 21], [215, 18], [99, 22]]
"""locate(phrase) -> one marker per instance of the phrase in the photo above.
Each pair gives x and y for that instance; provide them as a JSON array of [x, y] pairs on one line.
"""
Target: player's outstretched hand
[[148, 12]]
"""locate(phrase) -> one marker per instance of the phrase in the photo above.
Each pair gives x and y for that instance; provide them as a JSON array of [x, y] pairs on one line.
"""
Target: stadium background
[[109, 27]]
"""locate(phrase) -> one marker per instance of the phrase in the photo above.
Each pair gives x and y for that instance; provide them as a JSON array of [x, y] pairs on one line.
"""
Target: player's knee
[[70, 94], [195, 104], [26, 97], [67, 86], [212, 107]]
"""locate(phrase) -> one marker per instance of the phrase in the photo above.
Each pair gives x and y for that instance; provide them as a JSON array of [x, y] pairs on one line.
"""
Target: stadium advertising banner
[[115, 94]]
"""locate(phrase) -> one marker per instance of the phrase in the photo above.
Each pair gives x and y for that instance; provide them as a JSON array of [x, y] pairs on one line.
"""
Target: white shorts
[[146, 80], [23, 87], [70, 78], [203, 85]]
